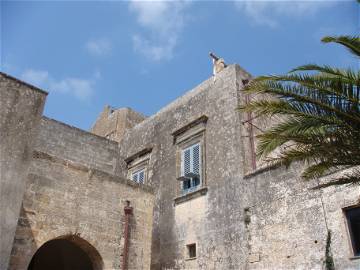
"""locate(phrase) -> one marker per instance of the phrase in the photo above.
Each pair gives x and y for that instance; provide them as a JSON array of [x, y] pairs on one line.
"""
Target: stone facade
[[21, 107], [60, 182], [72, 190], [239, 215], [214, 218]]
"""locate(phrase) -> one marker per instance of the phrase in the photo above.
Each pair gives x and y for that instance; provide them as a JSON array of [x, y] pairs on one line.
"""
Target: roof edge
[[24, 83]]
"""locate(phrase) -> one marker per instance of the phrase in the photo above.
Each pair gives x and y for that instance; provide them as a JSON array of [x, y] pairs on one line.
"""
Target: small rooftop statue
[[218, 63]]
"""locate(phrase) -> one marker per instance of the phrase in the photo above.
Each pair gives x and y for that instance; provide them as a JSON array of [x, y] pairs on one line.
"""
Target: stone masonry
[[241, 215], [72, 190], [112, 123], [60, 182], [21, 107]]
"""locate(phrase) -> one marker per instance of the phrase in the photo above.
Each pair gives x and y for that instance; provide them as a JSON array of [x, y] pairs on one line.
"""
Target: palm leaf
[[317, 117], [351, 43]]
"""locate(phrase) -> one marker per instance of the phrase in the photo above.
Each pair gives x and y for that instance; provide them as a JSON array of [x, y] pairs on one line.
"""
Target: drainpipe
[[251, 131], [128, 210], [252, 143]]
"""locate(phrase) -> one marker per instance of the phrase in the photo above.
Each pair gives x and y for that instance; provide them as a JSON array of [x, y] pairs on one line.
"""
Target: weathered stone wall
[[241, 219], [21, 107], [70, 143], [335, 199], [112, 123], [72, 192], [214, 219], [288, 222]]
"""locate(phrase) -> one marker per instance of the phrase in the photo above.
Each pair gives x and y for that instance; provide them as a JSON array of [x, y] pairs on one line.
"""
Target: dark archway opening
[[60, 254]]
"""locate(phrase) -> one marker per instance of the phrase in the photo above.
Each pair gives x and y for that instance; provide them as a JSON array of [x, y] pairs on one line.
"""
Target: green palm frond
[[351, 43], [346, 75], [298, 94], [349, 178], [319, 169], [317, 112]]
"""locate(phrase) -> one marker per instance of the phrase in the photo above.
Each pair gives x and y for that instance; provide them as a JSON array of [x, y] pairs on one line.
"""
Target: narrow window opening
[[353, 221], [191, 250], [138, 176]]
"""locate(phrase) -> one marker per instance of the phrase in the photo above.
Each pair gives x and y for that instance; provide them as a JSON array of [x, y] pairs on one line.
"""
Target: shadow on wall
[[60, 254]]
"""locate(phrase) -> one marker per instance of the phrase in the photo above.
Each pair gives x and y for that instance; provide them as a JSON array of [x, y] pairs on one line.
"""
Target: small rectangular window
[[191, 167], [138, 166], [138, 176], [191, 251], [353, 221]]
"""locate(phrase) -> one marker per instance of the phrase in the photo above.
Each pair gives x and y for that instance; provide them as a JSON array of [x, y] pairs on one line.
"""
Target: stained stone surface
[[240, 217], [21, 107]]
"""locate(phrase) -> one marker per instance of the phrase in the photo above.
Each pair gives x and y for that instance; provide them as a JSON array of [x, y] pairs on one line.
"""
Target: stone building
[[199, 198], [65, 186]]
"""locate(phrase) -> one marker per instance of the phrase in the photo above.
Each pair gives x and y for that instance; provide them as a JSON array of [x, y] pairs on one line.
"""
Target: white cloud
[[82, 89], [153, 51], [164, 22], [99, 47], [267, 12]]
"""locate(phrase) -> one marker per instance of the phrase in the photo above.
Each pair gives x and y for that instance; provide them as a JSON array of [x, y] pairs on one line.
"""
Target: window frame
[[349, 230], [189, 141], [188, 251], [137, 172], [139, 162], [192, 180], [190, 134]]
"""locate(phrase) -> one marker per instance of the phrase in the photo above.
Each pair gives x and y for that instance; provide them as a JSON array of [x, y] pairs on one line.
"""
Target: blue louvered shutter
[[135, 177], [191, 160], [186, 161], [196, 159], [191, 166], [141, 176]]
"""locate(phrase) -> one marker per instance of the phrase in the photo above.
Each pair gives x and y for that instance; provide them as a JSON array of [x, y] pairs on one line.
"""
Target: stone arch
[[68, 250]]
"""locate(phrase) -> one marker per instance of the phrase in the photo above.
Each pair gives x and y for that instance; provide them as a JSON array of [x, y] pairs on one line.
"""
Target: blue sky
[[143, 55]]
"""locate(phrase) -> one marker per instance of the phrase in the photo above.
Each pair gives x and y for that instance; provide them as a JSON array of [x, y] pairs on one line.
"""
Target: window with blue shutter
[[138, 176], [191, 167]]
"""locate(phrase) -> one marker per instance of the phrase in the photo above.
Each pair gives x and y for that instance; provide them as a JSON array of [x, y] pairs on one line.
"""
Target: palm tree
[[318, 108]]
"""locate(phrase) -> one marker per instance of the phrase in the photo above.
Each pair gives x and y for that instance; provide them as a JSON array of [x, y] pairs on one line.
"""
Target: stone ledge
[[138, 154], [192, 195], [199, 120]]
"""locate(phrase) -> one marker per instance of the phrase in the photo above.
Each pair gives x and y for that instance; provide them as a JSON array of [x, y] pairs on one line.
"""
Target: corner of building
[[21, 108]]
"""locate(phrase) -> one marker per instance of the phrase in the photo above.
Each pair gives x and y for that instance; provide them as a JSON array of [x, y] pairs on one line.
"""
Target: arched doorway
[[70, 253]]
